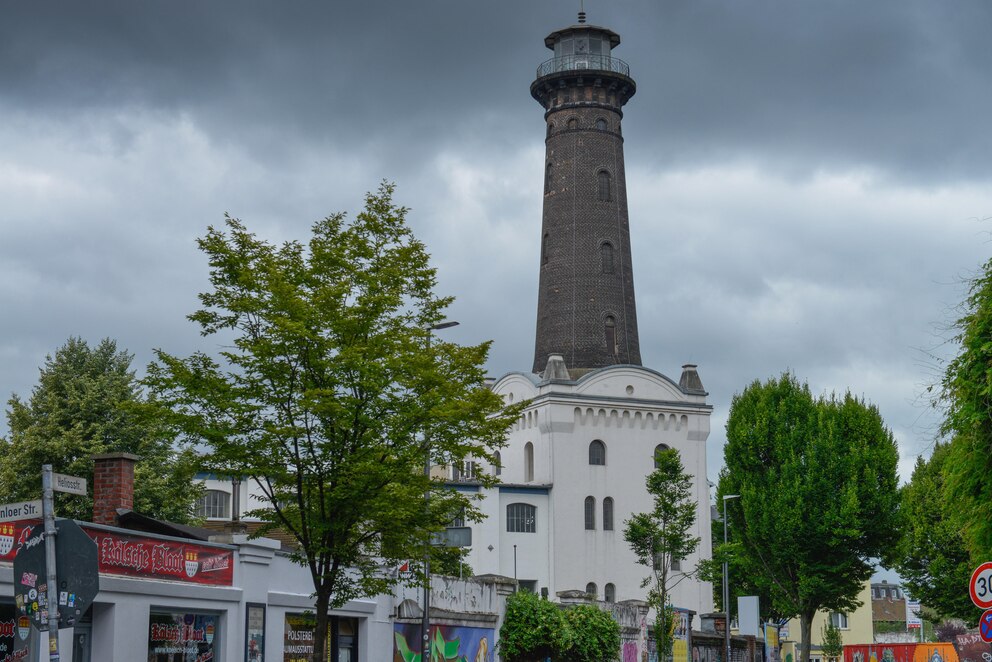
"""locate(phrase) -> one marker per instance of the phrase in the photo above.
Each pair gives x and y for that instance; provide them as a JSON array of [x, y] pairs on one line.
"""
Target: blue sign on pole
[[985, 626]]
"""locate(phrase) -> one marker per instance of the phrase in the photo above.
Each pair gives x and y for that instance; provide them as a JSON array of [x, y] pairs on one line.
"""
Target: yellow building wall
[[859, 629]]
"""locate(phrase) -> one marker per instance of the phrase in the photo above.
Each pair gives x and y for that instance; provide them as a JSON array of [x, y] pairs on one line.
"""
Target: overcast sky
[[808, 182]]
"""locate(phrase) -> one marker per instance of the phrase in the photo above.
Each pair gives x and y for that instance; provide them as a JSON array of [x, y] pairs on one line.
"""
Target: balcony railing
[[580, 62]]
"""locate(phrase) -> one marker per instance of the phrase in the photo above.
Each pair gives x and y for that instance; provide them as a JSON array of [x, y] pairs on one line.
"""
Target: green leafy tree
[[663, 535], [931, 557], [332, 394], [819, 499], [592, 635], [832, 644], [533, 629], [967, 393], [88, 401]]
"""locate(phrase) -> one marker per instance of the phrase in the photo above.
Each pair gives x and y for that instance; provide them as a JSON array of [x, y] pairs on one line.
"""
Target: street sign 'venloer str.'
[[20, 510]]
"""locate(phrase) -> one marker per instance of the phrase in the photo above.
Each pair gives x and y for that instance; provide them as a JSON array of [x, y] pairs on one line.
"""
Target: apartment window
[[214, 504], [838, 620], [528, 462], [608, 514], [590, 513], [591, 589], [610, 593], [521, 518], [676, 565], [597, 452], [497, 464], [658, 449]]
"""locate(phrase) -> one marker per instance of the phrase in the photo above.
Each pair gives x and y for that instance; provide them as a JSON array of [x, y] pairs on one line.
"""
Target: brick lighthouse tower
[[586, 310]]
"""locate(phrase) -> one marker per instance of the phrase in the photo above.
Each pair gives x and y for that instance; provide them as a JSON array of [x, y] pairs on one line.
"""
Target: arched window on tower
[[528, 462], [606, 257], [544, 248], [590, 513], [547, 179], [658, 449], [601, 124], [573, 123], [597, 452], [611, 335], [608, 514], [605, 186]]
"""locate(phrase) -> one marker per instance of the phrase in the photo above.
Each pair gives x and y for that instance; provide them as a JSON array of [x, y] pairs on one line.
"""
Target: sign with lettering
[[186, 636], [153, 558], [20, 510], [298, 639], [70, 484]]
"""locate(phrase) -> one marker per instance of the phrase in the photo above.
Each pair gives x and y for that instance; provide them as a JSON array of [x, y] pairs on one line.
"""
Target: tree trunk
[[320, 652], [806, 632]]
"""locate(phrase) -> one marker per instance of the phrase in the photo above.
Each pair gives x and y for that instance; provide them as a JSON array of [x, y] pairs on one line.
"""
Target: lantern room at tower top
[[580, 48]]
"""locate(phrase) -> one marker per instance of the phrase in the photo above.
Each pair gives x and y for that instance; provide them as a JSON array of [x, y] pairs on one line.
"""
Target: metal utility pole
[[425, 654], [52, 599], [726, 579]]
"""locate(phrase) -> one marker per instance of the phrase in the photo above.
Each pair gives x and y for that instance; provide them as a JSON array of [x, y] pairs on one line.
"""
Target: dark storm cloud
[[801, 175], [899, 85]]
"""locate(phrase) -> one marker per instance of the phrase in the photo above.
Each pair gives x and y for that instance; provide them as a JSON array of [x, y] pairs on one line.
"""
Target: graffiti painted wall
[[449, 643], [901, 653]]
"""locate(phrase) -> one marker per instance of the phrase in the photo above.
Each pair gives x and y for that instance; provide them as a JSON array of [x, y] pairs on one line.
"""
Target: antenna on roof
[[582, 12]]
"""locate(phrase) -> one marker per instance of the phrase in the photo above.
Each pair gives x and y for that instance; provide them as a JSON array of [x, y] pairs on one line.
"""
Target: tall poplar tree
[[932, 557], [819, 499], [967, 392], [331, 394]]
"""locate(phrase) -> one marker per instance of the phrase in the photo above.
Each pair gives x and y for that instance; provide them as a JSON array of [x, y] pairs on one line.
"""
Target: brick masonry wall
[[575, 294], [113, 488]]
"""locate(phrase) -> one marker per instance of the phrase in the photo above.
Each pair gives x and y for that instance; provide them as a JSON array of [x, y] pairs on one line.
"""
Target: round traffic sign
[[985, 626], [980, 586]]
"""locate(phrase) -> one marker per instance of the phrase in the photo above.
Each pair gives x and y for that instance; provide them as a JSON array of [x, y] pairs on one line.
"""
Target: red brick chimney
[[113, 485]]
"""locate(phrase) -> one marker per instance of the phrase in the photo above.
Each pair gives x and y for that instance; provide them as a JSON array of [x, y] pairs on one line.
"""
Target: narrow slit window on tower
[[606, 253], [601, 124], [497, 463], [590, 513], [551, 127], [547, 178], [611, 335], [544, 248], [605, 194]]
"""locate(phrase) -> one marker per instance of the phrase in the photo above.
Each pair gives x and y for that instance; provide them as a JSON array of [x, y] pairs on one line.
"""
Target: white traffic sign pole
[[52, 599]]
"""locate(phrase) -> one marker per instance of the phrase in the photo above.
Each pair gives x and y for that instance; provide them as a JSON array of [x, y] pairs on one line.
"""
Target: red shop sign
[[153, 558], [138, 556]]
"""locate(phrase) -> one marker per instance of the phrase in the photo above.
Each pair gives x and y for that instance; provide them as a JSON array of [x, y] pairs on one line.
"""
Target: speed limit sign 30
[[980, 586]]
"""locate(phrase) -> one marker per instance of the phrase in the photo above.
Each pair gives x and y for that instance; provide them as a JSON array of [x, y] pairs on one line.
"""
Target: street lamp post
[[726, 580], [426, 624]]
